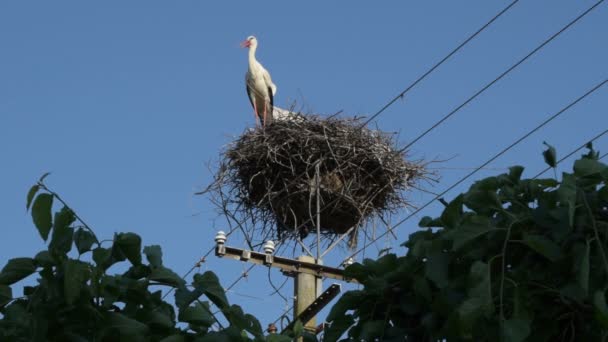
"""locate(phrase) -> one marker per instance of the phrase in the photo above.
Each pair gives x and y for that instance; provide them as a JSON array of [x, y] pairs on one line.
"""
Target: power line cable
[[428, 72], [551, 118], [198, 263], [511, 68]]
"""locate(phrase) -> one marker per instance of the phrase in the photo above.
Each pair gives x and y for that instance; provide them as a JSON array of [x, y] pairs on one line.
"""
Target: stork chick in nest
[[260, 88]]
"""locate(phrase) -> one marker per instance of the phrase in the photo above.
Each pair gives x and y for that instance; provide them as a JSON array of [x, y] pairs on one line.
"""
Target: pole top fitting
[[348, 262], [220, 238], [269, 247]]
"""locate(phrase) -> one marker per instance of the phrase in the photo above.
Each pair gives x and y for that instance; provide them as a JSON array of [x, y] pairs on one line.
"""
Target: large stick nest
[[267, 179]]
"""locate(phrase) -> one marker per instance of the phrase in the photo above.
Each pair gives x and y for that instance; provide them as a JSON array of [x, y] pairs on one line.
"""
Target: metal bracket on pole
[[316, 306]]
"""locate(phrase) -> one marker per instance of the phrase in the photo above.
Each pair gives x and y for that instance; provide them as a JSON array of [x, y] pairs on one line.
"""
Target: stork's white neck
[[252, 61]]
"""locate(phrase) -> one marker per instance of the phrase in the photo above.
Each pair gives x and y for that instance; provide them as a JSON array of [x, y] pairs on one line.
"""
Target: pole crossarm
[[288, 266]]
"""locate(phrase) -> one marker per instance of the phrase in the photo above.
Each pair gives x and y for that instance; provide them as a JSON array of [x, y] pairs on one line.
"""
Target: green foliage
[[17, 269], [41, 214], [76, 299], [550, 155], [510, 260]]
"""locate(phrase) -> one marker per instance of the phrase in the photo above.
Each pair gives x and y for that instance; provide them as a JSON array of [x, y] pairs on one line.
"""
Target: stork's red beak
[[246, 43]]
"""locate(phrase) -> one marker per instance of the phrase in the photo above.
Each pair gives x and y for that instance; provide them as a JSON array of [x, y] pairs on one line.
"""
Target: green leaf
[[166, 276], [480, 285], [84, 240], [356, 271], [185, 297], [603, 193], [41, 214], [17, 269], [243, 321], [516, 329], [467, 232], [61, 240], [338, 327], [298, 328], [278, 338], [543, 246], [130, 245], [138, 272], [421, 288], [349, 301], [468, 313], [30, 195], [41, 179], [198, 314], [117, 323], [44, 259], [372, 330], [588, 167], [452, 213], [428, 221], [230, 334], [174, 338], [484, 202], [582, 276], [515, 173], [210, 284], [158, 319], [601, 310], [573, 291], [436, 266], [64, 218], [309, 337], [566, 193], [6, 295], [550, 155], [76, 274], [102, 257], [154, 255]]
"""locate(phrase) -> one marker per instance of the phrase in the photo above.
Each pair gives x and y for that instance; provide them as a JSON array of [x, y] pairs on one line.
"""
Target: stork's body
[[260, 88]]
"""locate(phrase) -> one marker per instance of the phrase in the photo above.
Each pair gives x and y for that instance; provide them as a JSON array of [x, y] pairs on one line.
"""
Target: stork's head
[[250, 42]]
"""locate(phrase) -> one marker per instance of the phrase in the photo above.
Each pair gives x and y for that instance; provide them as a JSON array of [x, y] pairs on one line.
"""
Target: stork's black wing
[[271, 99]]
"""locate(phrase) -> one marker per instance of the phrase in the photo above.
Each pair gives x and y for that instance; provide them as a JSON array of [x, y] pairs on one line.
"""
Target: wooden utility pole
[[306, 289], [307, 272]]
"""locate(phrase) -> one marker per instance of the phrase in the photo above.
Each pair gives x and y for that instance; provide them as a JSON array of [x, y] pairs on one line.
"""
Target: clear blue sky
[[125, 102]]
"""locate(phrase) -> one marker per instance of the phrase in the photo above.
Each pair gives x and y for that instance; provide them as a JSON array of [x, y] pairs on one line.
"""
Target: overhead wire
[[497, 155], [438, 64], [198, 263], [503, 74]]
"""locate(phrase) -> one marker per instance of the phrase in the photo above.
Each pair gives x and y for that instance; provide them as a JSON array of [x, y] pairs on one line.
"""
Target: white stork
[[260, 88]]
